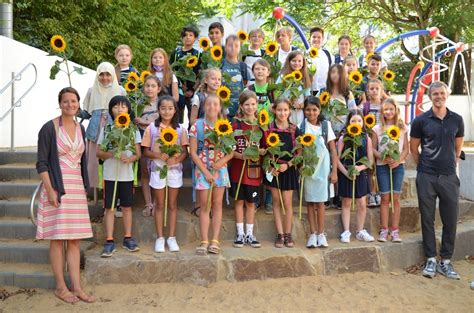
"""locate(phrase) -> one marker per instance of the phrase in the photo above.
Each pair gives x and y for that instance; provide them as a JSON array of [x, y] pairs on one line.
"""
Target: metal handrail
[[17, 103], [32, 204]]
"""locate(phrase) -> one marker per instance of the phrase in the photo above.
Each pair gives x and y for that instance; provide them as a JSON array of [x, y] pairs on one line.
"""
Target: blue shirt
[[238, 75]]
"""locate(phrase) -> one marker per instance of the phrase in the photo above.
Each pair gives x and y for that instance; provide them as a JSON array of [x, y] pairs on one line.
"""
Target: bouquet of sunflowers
[[133, 86], [210, 57], [390, 140], [245, 46], [222, 138], [271, 57], [168, 145], [388, 80], [184, 68], [332, 108], [354, 140], [313, 53], [119, 137], [292, 85], [355, 79]]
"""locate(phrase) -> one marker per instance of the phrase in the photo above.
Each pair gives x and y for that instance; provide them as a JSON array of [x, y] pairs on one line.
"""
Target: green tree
[[96, 27]]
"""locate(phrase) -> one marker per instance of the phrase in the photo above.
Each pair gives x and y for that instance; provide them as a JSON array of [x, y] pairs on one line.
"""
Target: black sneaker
[[430, 268], [446, 268], [252, 241], [239, 241]]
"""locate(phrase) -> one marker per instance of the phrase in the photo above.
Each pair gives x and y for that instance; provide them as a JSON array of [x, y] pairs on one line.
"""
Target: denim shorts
[[383, 178]]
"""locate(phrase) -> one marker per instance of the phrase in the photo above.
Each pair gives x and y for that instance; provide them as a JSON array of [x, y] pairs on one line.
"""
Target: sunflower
[[169, 136], [289, 76], [355, 77], [393, 132], [58, 43], [297, 75], [354, 130], [307, 140], [223, 93], [388, 75], [370, 120], [133, 76], [144, 75], [131, 86], [243, 36], [271, 48], [216, 53], [273, 140], [192, 62], [204, 43], [324, 97], [367, 57], [263, 118], [223, 127], [122, 120], [313, 52]]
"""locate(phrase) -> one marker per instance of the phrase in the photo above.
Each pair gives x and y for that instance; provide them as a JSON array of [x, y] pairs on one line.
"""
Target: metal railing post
[[12, 123]]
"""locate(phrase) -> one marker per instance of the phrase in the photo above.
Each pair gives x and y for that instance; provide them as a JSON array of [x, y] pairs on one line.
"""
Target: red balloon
[[278, 13], [434, 31], [459, 47]]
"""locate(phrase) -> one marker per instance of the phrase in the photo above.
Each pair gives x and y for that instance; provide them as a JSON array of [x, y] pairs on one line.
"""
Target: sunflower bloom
[[367, 57], [307, 140], [388, 75], [133, 76], [223, 93], [355, 77], [289, 76], [223, 127], [354, 130], [263, 118], [393, 132], [324, 97], [204, 43], [122, 120], [243, 36], [192, 62], [273, 140], [58, 43], [298, 75], [369, 120], [144, 75], [131, 86], [216, 53], [271, 48], [313, 52], [169, 136]]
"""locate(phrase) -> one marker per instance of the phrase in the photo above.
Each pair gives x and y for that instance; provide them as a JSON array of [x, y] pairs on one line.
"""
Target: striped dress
[[71, 220]]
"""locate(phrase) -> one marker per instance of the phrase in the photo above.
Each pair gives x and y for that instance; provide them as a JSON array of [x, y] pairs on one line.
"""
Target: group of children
[[214, 171]]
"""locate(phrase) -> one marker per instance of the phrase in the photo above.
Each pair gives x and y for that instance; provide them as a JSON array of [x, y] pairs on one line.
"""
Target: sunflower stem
[[353, 178], [301, 197], [116, 174], [68, 72], [240, 180], [281, 198], [391, 191], [166, 203]]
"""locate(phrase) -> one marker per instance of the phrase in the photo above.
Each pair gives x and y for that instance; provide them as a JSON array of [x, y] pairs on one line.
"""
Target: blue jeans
[[383, 178]]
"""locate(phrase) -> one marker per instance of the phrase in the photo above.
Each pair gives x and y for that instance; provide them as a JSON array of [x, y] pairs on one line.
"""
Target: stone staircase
[[24, 261]]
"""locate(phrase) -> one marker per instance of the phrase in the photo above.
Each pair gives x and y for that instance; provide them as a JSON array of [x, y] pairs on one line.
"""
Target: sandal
[[66, 296], [289, 243], [202, 249], [84, 296], [148, 210], [214, 248], [279, 241]]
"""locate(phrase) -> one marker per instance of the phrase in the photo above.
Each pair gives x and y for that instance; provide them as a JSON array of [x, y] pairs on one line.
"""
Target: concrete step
[[248, 263], [187, 229], [18, 188], [31, 251], [14, 171], [27, 155], [17, 228], [27, 275], [19, 207]]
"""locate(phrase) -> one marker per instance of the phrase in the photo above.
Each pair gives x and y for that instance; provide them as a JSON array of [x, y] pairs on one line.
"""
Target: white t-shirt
[[250, 60], [317, 129], [322, 69], [160, 77], [282, 56], [125, 170]]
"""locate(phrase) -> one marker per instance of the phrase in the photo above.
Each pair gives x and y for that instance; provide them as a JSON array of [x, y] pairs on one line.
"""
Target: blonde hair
[[285, 30], [257, 31], [205, 75], [304, 70], [383, 122], [167, 73], [117, 50]]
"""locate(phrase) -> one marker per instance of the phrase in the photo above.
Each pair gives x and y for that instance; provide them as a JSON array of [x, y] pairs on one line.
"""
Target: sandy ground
[[360, 292]]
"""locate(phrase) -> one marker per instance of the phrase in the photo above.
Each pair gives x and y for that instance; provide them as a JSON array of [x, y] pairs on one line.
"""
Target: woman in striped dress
[[63, 213]]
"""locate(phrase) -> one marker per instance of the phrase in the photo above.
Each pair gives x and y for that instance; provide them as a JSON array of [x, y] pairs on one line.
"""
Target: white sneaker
[[312, 241], [160, 245], [322, 241], [363, 235], [172, 244], [346, 237]]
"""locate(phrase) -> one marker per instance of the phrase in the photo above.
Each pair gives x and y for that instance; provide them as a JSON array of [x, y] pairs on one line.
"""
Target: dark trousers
[[184, 102], [446, 189]]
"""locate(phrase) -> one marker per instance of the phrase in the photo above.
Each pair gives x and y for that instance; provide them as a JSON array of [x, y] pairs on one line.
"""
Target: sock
[[127, 237], [447, 261], [249, 228], [432, 259], [240, 228], [110, 240]]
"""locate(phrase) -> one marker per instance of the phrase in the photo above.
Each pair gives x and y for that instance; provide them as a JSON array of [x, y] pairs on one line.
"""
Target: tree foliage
[[96, 27]]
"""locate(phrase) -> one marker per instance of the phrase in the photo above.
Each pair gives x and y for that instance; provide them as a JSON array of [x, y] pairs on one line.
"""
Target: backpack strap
[[200, 138], [328, 56], [366, 108], [303, 126], [244, 72], [202, 99]]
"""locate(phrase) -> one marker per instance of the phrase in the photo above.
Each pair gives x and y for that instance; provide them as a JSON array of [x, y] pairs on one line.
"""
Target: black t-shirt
[[438, 150], [179, 53]]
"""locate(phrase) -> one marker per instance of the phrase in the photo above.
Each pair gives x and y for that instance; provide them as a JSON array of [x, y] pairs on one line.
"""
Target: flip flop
[[84, 296], [66, 296]]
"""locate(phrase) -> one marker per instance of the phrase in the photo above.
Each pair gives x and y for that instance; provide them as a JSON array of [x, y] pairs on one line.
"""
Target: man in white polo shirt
[[323, 61]]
